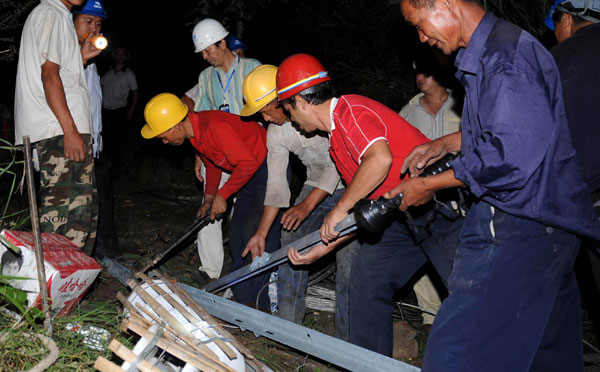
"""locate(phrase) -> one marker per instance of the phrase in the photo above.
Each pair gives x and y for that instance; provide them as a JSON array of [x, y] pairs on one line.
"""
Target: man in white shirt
[[321, 190], [52, 107]]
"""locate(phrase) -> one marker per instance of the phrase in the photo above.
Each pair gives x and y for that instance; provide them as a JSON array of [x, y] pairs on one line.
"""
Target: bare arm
[[419, 190], [188, 102], [315, 252], [55, 96], [374, 168]]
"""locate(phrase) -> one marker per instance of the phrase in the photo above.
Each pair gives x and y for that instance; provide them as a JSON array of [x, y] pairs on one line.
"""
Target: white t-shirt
[[93, 82], [116, 87], [49, 34]]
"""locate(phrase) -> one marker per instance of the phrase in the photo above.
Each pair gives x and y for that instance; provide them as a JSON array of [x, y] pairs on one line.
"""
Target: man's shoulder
[[580, 45], [207, 72], [502, 43], [250, 61], [45, 12], [510, 48]]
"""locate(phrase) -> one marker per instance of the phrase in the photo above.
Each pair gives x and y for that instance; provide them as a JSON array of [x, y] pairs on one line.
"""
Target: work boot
[[200, 277]]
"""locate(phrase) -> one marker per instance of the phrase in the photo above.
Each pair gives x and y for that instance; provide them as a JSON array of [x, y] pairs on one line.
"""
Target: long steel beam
[[320, 345]]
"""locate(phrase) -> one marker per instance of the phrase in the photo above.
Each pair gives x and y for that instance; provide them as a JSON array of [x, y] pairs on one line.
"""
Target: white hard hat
[[207, 32]]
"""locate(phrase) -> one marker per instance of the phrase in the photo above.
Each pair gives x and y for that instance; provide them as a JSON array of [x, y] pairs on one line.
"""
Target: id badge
[[224, 107]]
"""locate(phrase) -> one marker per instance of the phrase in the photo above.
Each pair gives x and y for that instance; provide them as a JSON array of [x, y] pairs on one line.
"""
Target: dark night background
[[366, 45]]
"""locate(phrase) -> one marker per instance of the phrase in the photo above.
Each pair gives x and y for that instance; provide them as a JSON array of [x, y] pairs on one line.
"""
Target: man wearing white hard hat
[[219, 88]]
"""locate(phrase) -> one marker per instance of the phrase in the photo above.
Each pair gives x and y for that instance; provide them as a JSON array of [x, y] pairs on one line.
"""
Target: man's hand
[[334, 217], [74, 146], [414, 193], [315, 252], [219, 206], [427, 153], [256, 246], [206, 206], [293, 217], [88, 50], [311, 256], [421, 156], [198, 169]]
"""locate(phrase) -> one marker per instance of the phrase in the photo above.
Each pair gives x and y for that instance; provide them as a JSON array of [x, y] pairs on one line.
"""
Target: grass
[[18, 352]]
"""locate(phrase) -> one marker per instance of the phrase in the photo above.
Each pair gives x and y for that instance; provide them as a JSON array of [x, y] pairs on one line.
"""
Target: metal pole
[[37, 237]]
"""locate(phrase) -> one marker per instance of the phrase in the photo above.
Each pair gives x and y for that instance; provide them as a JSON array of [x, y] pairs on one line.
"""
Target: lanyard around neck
[[226, 88]]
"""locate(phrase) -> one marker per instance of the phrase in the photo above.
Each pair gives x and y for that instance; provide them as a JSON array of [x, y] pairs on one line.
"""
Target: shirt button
[[549, 230]]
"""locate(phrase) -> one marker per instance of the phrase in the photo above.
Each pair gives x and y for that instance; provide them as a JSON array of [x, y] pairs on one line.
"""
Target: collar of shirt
[[233, 67], [334, 102], [467, 59]]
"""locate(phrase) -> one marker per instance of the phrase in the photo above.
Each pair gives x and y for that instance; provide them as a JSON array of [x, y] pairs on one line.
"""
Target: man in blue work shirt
[[514, 302]]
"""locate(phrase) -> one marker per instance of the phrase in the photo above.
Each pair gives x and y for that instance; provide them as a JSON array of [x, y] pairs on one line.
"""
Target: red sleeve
[[213, 176], [239, 155]]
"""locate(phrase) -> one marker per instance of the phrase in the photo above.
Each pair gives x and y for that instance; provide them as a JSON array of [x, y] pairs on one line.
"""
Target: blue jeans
[[247, 211], [292, 280], [513, 303], [385, 263]]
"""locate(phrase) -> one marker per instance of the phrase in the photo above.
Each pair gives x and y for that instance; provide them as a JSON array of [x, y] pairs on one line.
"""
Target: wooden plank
[[172, 284], [173, 323], [129, 356], [173, 348], [104, 365], [192, 319]]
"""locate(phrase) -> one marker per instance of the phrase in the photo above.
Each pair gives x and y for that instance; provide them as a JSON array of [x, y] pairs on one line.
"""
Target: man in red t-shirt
[[368, 143], [226, 144]]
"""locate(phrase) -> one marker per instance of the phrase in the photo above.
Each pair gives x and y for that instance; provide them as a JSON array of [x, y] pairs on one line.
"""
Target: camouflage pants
[[68, 195]]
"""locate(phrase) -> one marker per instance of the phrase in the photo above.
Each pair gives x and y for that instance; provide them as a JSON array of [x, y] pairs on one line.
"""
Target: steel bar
[[37, 236], [269, 260], [331, 349], [192, 229]]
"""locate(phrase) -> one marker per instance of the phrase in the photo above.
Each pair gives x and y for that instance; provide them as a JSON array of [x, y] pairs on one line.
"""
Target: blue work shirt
[[517, 153]]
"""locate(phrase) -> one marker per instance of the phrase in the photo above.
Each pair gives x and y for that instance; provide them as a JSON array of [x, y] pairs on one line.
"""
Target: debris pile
[[169, 322]]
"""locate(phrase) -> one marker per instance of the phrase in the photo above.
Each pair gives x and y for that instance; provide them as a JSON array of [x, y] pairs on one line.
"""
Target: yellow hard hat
[[162, 112], [259, 89]]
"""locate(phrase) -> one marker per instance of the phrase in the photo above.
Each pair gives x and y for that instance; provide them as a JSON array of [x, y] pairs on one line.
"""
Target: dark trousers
[[292, 281], [117, 137], [247, 211], [107, 243], [513, 303], [385, 264]]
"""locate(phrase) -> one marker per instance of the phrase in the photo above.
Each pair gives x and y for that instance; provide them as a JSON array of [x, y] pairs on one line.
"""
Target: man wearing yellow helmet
[[226, 144], [219, 87], [319, 194]]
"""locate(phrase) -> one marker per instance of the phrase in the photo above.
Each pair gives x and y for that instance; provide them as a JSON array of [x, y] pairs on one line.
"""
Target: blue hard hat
[[549, 21], [235, 43], [92, 7]]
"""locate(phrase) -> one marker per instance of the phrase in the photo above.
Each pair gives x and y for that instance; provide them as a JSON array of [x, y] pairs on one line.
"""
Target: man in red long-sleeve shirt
[[226, 144]]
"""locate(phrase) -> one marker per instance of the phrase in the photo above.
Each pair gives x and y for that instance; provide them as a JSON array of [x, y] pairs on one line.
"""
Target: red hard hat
[[298, 72]]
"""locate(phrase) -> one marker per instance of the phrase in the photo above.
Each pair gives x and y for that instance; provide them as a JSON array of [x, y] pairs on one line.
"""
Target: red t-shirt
[[358, 123], [225, 142]]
